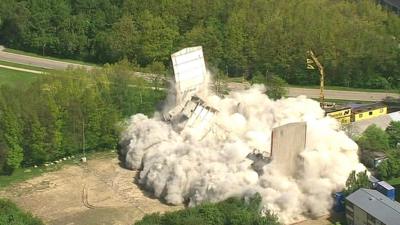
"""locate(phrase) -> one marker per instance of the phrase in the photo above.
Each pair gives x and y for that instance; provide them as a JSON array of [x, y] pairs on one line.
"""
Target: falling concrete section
[[287, 142]]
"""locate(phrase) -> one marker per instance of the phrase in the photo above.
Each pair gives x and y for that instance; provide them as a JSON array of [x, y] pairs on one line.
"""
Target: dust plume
[[179, 166]]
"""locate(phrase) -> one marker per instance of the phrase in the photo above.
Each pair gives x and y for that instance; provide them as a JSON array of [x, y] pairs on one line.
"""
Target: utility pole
[[311, 61]]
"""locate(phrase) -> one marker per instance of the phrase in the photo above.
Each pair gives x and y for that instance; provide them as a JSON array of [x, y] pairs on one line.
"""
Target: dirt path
[[100, 193]]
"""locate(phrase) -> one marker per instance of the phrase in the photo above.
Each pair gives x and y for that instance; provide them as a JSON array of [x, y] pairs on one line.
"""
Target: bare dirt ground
[[95, 193], [99, 192]]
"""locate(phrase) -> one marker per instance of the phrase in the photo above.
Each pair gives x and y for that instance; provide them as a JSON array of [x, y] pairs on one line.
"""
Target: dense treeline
[[10, 214], [63, 113], [357, 40], [233, 211], [374, 139]]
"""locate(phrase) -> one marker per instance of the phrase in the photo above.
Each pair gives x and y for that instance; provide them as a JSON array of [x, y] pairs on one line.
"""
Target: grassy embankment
[[14, 77], [48, 57], [11, 214]]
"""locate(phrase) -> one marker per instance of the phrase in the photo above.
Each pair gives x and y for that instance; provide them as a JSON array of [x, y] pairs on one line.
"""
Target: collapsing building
[[193, 112], [207, 148]]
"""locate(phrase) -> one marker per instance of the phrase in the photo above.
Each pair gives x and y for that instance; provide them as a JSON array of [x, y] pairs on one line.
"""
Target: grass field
[[14, 77], [48, 57], [394, 181], [24, 66]]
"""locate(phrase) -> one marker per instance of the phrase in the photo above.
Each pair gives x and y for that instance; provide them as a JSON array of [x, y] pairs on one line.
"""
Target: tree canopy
[[233, 211], [374, 139], [62, 113], [393, 131], [390, 167], [356, 181], [240, 37]]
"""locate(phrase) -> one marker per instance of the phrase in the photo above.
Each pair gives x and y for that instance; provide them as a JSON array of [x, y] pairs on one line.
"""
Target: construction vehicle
[[344, 114]]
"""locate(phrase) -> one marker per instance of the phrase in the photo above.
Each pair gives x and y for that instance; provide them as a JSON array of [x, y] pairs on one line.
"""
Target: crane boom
[[322, 76]]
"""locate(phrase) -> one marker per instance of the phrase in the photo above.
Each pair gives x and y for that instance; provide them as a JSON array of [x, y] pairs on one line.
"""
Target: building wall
[[339, 113], [287, 143], [357, 216], [360, 217], [345, 120], [369, 114]]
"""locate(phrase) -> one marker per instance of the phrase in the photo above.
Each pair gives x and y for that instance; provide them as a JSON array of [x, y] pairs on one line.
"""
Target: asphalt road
[[38, 62], [293, 92], [345, 95]]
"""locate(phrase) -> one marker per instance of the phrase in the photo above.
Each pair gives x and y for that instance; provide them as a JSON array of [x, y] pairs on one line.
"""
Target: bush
[[374, 139], [233, 211]]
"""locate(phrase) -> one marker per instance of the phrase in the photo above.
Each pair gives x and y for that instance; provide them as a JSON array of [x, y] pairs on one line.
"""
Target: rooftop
[[385, 185], [377, 205], [382, 121], [366, 107], [393, 3]]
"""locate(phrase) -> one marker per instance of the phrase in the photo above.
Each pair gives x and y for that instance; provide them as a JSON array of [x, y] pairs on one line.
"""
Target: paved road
[[345, 95], [38, 62], [329, 94], [312, 93]]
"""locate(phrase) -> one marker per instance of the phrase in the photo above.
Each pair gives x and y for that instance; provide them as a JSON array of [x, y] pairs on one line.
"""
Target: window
[[370, 113], [349, 204], [371, 219]]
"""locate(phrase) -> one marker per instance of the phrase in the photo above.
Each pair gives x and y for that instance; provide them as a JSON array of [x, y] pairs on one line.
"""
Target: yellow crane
[[314, 60]]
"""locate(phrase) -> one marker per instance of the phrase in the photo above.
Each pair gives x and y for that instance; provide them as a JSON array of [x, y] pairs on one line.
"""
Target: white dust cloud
[[181, 167]]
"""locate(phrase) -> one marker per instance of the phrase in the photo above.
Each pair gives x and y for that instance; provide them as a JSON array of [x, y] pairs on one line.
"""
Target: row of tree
[[63, 113], [233, 211], [374, 139], [357, 40]]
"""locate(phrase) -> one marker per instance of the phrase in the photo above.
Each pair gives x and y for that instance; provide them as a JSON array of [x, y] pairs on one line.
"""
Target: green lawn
[[48, 57], [14, 77], [22, 174], [24, 66], [394, 181]]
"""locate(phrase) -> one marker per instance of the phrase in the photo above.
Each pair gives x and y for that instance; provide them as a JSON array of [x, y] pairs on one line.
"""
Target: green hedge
[[233, 211]]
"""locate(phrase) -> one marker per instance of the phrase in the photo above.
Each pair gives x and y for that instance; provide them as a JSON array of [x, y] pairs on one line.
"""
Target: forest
[[358, 41], [64, 113]]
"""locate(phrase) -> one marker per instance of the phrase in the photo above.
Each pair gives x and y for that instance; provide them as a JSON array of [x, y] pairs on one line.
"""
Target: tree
[[390, 167], [12, 133], [275, 87], [393, 130], [35, 152], [157, 38], [356, 181], [374, 139], [233, 211]]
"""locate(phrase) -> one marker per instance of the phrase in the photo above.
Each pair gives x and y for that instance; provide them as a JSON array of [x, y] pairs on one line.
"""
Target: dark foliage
[[232, 211], [63, 113], [357, 41]]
